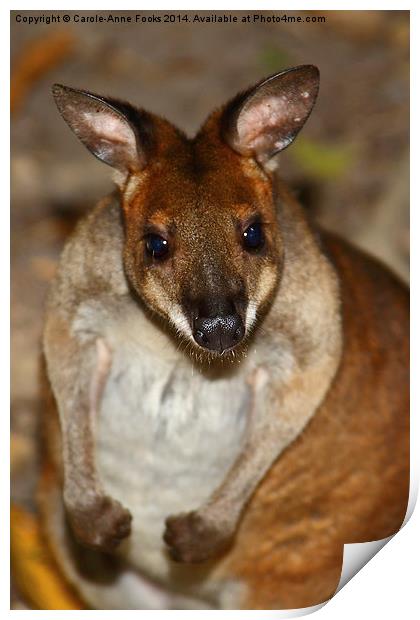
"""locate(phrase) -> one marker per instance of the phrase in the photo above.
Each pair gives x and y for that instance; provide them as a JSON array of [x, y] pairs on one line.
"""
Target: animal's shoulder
[[91, 264], [374, 301]]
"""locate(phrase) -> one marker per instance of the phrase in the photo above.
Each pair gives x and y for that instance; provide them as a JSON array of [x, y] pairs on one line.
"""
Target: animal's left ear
[[267, 118]]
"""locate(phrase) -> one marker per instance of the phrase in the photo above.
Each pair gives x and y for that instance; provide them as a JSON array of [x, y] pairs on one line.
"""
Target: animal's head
[[203, 246]]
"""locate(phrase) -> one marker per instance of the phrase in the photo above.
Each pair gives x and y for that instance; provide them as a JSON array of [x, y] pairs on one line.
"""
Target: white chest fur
[[166, 436]]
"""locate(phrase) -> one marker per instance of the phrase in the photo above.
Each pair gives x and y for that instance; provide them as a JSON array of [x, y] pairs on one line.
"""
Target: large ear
[[266, 119], [115, 132]]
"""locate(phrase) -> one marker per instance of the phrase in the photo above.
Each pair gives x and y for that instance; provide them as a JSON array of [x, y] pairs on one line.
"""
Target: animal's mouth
[[218, 358]]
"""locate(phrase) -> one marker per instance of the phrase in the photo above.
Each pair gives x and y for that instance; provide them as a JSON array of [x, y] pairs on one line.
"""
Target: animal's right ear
[[115, 132]]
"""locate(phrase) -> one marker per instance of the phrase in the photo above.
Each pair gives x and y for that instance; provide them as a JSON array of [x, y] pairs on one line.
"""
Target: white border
[[387, 586]]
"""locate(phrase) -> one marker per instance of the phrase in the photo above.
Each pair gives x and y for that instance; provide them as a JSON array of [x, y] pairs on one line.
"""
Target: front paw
[[100, 524], [192, 538]]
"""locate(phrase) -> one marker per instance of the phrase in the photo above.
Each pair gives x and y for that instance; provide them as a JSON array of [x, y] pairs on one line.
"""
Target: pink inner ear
[[112, 138], [109, 128], [267, 124], [261, 118]]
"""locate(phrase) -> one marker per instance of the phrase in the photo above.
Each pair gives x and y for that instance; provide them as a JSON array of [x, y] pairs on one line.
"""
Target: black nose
[[219, 333]]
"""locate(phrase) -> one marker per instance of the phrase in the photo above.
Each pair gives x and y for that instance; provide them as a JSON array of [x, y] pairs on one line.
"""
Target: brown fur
[[345, 479], [328, 395], [197, 174]]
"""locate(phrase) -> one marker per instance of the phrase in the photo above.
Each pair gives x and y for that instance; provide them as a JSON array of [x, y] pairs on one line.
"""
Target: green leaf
[[320, 159], [272, 59]]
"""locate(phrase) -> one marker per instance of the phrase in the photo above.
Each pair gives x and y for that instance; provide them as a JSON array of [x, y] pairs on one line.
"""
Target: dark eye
[[156, 246], [253, 237]]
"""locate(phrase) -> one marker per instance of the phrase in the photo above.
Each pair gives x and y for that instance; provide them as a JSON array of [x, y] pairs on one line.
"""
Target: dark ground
[[350, 166]]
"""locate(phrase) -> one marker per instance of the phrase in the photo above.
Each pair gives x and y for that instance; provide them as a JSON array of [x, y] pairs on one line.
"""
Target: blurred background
[[349, 166]]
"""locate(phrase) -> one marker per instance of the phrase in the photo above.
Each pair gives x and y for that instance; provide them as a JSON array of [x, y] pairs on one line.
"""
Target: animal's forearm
[[200, 534], [97, 520], [78, 430]]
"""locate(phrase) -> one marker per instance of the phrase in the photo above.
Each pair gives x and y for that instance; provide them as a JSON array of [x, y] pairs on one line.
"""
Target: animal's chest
[[166, 438]]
